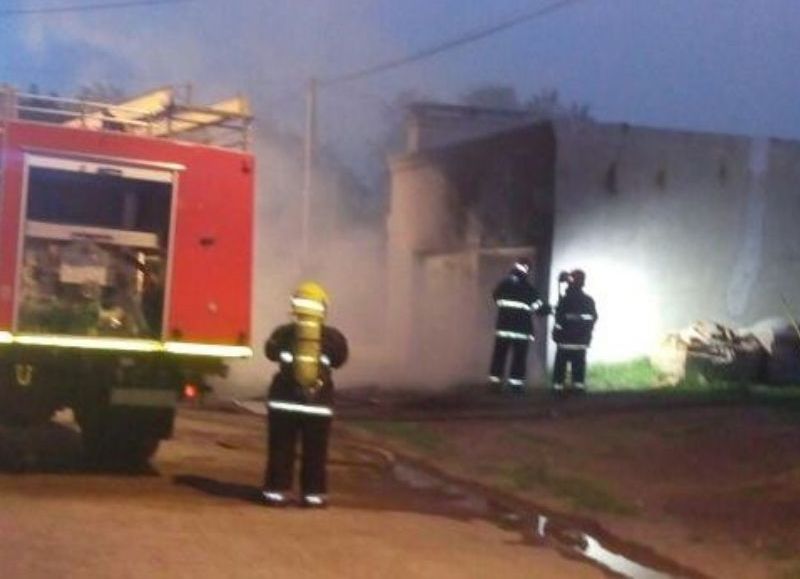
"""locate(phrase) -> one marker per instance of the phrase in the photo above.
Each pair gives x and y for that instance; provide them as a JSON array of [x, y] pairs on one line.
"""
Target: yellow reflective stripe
[[301, 408], [513, 335], [123, 344], [287, 357], [216, 350], [579, 316], [308, 304], [514, 304], [127, 345]]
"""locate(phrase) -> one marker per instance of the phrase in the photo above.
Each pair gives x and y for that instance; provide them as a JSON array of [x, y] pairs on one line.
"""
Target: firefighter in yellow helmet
[[300, 399]]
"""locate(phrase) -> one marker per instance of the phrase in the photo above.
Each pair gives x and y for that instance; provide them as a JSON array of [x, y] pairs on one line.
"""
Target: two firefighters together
[[300, 397], [517, 301]]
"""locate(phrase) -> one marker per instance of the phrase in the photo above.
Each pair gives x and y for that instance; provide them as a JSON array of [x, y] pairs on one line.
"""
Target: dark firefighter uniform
[[516, 301], [300, 399], [575, 318]]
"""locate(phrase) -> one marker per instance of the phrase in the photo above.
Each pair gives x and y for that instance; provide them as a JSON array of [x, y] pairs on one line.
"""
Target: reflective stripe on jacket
[[516, 300]]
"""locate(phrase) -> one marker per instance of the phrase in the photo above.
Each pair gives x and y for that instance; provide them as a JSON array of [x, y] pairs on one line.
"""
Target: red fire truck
[[125, 260]]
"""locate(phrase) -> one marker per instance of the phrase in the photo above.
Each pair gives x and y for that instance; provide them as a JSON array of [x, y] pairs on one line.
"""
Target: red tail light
[[190, 391]]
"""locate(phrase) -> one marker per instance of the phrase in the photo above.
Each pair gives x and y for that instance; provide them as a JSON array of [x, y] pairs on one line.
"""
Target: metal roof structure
[[161, 112]]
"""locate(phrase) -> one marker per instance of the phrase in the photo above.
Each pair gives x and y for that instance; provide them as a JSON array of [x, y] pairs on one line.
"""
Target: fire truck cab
[[125, 260]]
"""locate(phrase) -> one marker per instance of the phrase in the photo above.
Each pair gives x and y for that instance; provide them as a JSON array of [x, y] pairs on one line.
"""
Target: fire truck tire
[[109, 448], [117, 439]]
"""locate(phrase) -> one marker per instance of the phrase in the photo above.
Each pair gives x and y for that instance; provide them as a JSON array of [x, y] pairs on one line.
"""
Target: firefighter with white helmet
[[516, 301], [575, 318], [300, 399]]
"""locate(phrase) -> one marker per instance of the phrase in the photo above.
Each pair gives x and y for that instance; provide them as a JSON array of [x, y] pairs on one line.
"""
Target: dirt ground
[[197, 513], [711, 483], [705, 485]]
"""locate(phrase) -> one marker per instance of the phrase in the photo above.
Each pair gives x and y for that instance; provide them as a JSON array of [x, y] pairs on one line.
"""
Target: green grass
[[583, 494], [695, 381], [415, 435], [637, 374]]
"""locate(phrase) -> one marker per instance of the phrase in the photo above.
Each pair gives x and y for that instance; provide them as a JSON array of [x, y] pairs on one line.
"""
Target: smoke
[[424, 327], [345, 255]]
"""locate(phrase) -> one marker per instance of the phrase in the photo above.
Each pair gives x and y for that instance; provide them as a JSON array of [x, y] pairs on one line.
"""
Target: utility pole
[[309, 162]]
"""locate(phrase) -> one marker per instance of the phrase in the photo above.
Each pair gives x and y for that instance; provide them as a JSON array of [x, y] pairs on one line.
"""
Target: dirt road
[[197, 515], [709, 479]]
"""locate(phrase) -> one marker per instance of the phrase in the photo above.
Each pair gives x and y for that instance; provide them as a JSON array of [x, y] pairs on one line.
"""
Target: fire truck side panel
[[209, 291], [211, 275]]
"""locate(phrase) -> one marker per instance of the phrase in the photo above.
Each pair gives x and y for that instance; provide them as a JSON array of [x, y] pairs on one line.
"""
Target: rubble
[[768, 352]]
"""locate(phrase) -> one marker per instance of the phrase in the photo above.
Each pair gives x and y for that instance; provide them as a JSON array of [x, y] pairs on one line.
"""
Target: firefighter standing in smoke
[[516, 301], [300, 399], [575, 317]]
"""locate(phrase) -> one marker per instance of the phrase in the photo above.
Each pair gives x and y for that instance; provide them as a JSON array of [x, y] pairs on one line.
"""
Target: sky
[[707, 65]]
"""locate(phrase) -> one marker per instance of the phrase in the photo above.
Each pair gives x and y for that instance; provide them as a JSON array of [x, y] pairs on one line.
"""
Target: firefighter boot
[[314, 502], [274, 499]]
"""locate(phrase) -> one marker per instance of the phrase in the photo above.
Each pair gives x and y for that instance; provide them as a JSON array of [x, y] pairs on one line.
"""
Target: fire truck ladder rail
[[157, 113]]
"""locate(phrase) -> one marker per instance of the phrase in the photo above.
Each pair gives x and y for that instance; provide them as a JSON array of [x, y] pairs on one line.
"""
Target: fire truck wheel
[[104, 448], [117, 441]]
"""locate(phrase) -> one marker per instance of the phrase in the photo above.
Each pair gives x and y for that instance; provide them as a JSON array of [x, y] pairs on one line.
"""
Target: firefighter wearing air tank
[[575, 317], [300, 399], [516, 301]]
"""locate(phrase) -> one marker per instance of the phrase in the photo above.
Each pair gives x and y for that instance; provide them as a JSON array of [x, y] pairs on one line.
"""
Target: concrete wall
[[416, 215], [459, 217], [673, 227]]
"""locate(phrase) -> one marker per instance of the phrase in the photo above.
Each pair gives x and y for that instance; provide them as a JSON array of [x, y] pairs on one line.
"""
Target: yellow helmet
[[310, 299]]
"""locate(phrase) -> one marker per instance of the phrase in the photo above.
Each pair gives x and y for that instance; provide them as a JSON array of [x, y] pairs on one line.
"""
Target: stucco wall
[[673, 227], [459, 216]]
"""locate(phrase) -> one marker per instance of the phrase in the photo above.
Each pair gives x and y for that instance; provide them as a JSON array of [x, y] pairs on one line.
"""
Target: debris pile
[[769, 352]]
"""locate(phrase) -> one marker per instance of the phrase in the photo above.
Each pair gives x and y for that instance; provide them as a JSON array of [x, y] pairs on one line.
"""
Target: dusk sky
[[708, 65]]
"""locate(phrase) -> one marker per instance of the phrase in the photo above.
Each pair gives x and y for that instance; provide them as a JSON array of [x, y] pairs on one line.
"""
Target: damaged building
[[670, 226]]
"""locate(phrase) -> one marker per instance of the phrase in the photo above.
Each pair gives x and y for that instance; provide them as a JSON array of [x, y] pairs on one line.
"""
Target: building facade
[[670, 226]]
